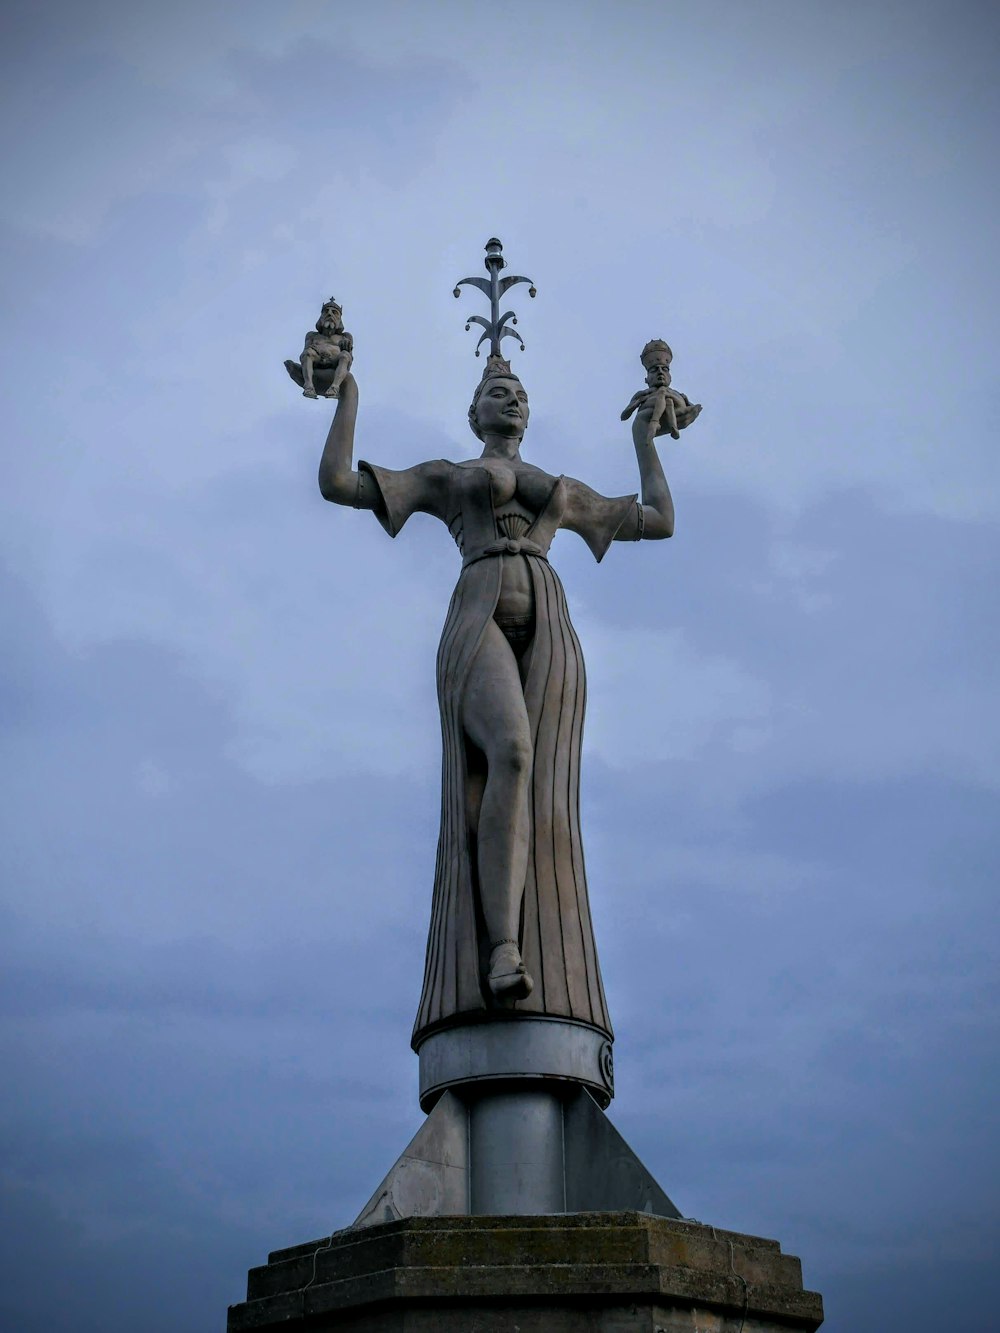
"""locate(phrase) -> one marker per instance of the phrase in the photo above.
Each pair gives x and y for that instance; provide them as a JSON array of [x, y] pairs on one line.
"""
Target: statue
[[512, 1032], [510, 931], [667, 409], [329, 350]]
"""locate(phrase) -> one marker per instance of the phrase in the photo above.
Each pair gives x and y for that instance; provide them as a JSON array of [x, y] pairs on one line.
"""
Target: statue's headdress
[[655, 351], [496, 327]]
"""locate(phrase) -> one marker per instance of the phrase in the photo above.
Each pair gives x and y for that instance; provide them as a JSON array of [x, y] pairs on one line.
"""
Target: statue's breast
[[534, 487], [503, 484], [493, 492], [502, 479]]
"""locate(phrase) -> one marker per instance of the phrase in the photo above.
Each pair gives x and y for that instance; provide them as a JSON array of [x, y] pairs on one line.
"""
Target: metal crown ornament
[[496, 327]]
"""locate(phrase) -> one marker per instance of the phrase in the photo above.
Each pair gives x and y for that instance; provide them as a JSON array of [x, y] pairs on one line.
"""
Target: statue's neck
[[507, 447]]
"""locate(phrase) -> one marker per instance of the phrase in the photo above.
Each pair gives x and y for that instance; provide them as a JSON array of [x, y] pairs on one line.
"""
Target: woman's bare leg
[[496, 720]]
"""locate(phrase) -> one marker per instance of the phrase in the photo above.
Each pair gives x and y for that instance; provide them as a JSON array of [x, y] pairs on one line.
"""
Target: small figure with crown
[[329, 350], [662, 408]]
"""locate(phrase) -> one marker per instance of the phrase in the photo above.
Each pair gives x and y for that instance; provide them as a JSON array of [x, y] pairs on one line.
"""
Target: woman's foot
[[309, 392], [508, 978]]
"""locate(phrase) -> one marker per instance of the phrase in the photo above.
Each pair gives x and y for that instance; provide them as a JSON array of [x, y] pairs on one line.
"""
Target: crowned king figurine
[[327, 355]]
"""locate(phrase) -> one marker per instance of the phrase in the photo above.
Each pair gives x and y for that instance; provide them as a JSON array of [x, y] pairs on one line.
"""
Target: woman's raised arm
[[657, 518], [338, 481]]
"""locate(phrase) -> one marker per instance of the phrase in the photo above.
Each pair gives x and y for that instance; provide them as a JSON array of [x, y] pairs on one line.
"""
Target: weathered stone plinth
[[599, 1272]]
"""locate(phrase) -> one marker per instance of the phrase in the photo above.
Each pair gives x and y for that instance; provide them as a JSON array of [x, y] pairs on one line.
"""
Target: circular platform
[[523, 1048]]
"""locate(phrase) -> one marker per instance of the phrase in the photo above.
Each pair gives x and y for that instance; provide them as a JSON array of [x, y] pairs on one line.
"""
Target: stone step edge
[[707, 1254], [722, 1291], [515, 1222]]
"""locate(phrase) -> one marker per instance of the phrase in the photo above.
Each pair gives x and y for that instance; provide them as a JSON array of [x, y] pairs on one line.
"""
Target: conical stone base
[[520, 1147]]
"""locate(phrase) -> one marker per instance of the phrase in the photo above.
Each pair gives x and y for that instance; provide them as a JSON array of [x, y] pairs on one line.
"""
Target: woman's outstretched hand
[[641, 433]]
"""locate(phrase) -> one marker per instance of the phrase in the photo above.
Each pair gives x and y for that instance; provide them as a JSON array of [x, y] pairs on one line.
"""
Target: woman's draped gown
[[556, 934]]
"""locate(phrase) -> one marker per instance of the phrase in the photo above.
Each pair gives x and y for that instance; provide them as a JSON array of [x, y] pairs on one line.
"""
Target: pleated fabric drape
[[557, 937]]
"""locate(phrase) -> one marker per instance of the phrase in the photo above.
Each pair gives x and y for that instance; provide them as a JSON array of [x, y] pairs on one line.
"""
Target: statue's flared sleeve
[[420, 489], [594, 517]]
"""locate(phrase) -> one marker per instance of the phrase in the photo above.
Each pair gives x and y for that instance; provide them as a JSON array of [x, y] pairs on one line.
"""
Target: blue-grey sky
[[220, 757]]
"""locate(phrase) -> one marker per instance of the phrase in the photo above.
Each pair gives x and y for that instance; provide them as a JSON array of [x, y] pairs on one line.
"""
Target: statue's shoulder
[[435, 478], [435, 469], [577, 488]]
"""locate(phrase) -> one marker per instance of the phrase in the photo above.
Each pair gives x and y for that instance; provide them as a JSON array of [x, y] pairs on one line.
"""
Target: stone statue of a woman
[[510, 929]]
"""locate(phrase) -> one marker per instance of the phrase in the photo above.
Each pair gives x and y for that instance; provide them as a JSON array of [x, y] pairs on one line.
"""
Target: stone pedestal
[[602, 1272], [517, 1207]]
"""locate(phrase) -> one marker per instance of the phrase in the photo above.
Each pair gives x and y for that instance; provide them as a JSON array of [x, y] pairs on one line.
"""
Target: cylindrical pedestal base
[[516, 1151]]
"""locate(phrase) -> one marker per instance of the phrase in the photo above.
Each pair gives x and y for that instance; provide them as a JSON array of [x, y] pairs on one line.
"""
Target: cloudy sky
[[220, 739]]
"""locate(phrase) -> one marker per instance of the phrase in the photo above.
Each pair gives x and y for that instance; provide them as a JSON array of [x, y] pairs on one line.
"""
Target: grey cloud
[[292, 115], [216, 902]]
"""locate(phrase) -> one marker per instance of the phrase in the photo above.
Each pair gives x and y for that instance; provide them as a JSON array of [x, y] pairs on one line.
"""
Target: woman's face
[[502, 408]]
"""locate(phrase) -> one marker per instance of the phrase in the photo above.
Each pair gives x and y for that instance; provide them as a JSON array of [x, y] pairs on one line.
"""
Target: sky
[[220, 756]]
